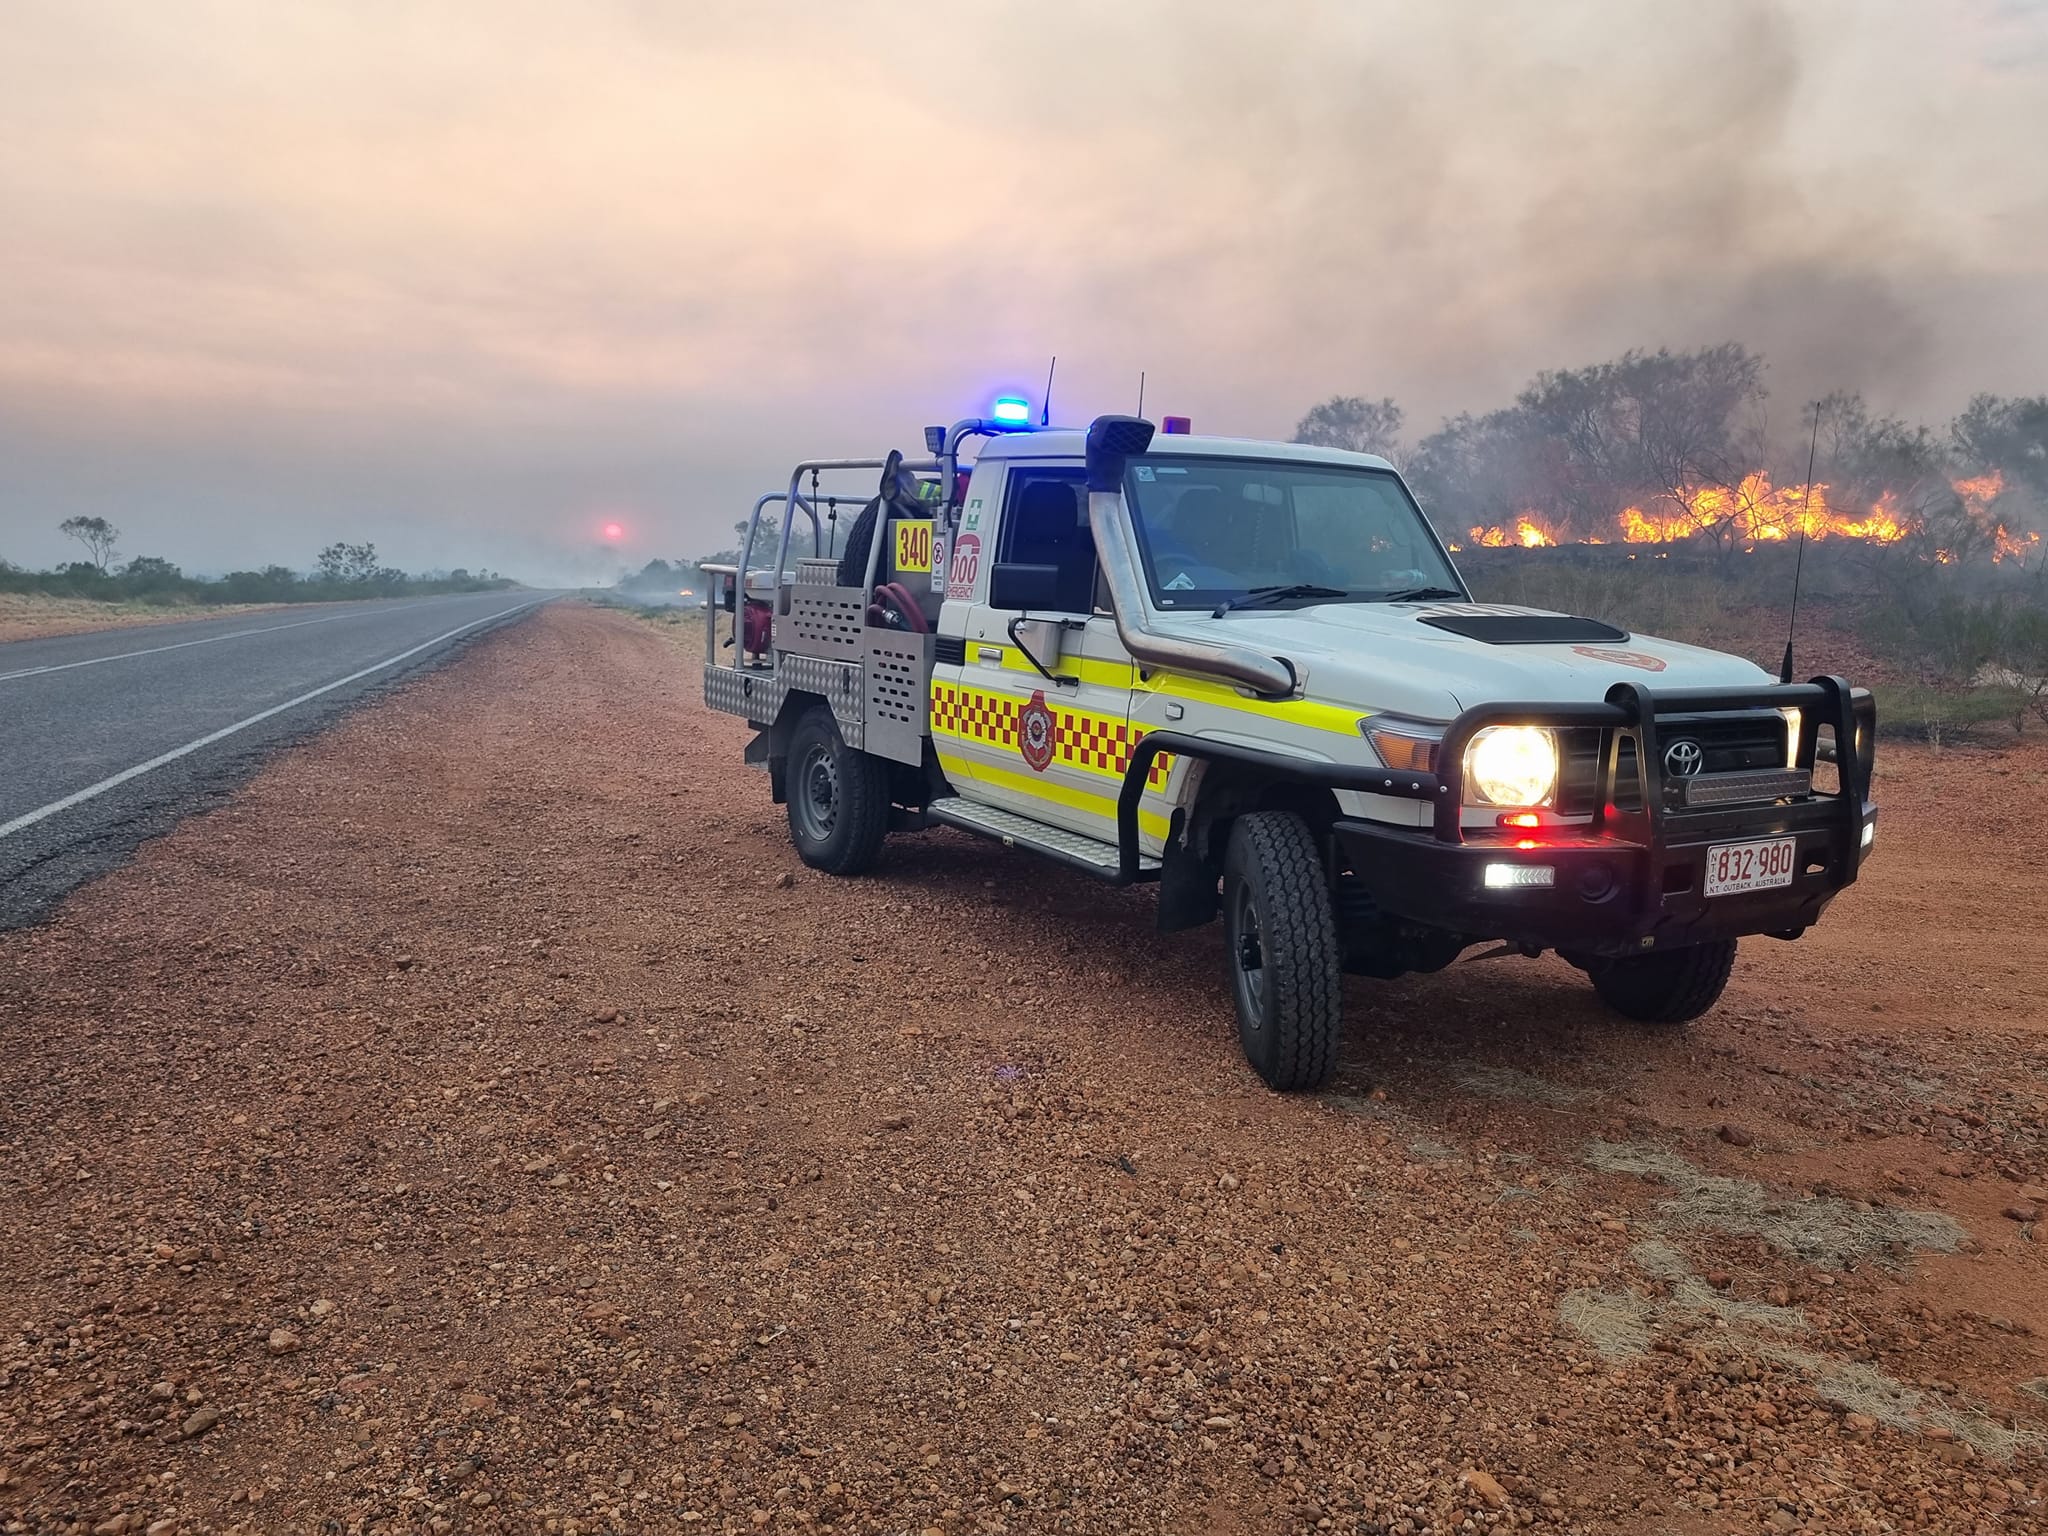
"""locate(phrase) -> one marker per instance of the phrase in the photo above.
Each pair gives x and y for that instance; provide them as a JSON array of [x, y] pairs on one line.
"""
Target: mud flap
[[1188, 894], [767, 749]]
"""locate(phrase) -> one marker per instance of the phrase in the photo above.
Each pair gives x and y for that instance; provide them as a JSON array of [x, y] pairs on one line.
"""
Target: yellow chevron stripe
[[1308, 713], [1089, 669], [1149, 822]]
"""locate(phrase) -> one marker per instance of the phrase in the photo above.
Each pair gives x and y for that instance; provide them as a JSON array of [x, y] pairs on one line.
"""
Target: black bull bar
[[1428, 871]]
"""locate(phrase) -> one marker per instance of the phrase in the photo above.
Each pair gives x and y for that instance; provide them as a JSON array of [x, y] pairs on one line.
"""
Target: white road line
[[158, 650], [9, 828]]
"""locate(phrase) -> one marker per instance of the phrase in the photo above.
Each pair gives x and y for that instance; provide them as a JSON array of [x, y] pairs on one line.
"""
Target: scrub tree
[[97, 535], [1355, 424]]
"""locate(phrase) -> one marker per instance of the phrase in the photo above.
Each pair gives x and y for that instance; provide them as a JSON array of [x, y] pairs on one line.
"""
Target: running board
[[1087, 854]]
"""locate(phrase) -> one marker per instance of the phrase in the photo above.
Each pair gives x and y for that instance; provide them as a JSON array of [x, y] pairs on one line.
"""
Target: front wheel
[[838, 798], [1280, 936], [1667, 988]]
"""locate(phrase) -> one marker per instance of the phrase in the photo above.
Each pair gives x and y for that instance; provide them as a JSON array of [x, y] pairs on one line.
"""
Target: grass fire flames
[[1754, 512], [1527, 532]]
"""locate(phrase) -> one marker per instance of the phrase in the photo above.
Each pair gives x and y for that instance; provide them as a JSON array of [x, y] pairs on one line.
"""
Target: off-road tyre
[[1668, 988], [838, 799], [1280, 942]]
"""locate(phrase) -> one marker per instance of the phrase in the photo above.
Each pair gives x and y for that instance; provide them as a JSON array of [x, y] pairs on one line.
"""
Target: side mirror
[[1018, 588]]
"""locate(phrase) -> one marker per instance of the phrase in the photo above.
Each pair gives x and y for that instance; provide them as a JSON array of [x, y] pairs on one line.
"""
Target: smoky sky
[[472, 279]]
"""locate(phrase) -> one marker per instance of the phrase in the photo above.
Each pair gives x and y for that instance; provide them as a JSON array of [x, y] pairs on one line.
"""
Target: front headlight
[[1512, 765]]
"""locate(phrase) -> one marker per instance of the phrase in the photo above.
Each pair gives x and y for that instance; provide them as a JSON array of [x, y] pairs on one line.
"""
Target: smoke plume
[[472, 281]]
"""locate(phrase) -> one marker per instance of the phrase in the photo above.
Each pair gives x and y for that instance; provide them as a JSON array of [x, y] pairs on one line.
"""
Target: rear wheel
[[1280, 936], [1667, 988], [838, 798]]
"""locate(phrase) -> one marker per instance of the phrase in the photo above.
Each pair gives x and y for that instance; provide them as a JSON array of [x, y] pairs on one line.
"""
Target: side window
[[1046, 523]]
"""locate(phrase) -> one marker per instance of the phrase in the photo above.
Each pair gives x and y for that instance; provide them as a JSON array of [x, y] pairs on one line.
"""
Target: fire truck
[[1249, 673]]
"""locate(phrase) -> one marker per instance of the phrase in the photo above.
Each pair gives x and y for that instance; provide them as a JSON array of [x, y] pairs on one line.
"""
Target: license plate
[[1733, 868]]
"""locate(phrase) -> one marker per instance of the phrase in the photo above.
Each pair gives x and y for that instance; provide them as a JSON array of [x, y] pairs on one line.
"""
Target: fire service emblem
[[1035, 730], [1641, 659]]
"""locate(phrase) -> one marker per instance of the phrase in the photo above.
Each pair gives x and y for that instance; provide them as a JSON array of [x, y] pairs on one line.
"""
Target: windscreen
[[1213, 530]]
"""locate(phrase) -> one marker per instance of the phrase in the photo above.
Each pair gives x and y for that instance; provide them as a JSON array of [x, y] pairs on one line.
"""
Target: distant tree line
[[663, 581], [671, 579], [342, 570]]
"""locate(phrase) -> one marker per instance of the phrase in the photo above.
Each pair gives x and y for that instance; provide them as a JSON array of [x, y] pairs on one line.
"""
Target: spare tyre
[[898, 498]]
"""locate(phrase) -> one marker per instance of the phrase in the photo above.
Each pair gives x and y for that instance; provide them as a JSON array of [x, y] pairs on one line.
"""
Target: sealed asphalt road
[[109, 738]]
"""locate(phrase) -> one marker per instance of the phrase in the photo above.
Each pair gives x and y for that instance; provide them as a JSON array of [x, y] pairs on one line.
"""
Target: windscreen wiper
[[1418, 594], [1259, 597]]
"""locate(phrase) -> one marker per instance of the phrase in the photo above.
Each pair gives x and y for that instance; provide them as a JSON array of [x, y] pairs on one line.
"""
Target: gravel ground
[[484, 1123]]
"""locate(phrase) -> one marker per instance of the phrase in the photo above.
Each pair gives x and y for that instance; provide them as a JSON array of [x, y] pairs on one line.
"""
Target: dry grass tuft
[[1820, 1230]]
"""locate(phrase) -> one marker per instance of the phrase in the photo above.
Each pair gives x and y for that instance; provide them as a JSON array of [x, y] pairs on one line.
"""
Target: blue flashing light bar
[[1012, 411]]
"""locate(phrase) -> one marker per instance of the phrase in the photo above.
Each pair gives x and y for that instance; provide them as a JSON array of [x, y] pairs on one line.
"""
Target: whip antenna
[[1799, 561], [1141, 392], [1045, 414]]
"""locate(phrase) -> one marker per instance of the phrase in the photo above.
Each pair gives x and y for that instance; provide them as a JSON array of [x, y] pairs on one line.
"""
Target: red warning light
[[1178, 426]]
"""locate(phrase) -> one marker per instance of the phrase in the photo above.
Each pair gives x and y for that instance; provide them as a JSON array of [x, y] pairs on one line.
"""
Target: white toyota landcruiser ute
[[1249, 672]]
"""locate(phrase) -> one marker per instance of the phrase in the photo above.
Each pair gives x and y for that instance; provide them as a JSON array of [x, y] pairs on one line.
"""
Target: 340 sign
[[913, 545]]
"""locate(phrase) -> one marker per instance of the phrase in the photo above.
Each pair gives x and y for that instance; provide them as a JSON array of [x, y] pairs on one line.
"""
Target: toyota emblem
[[1684, 758]]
